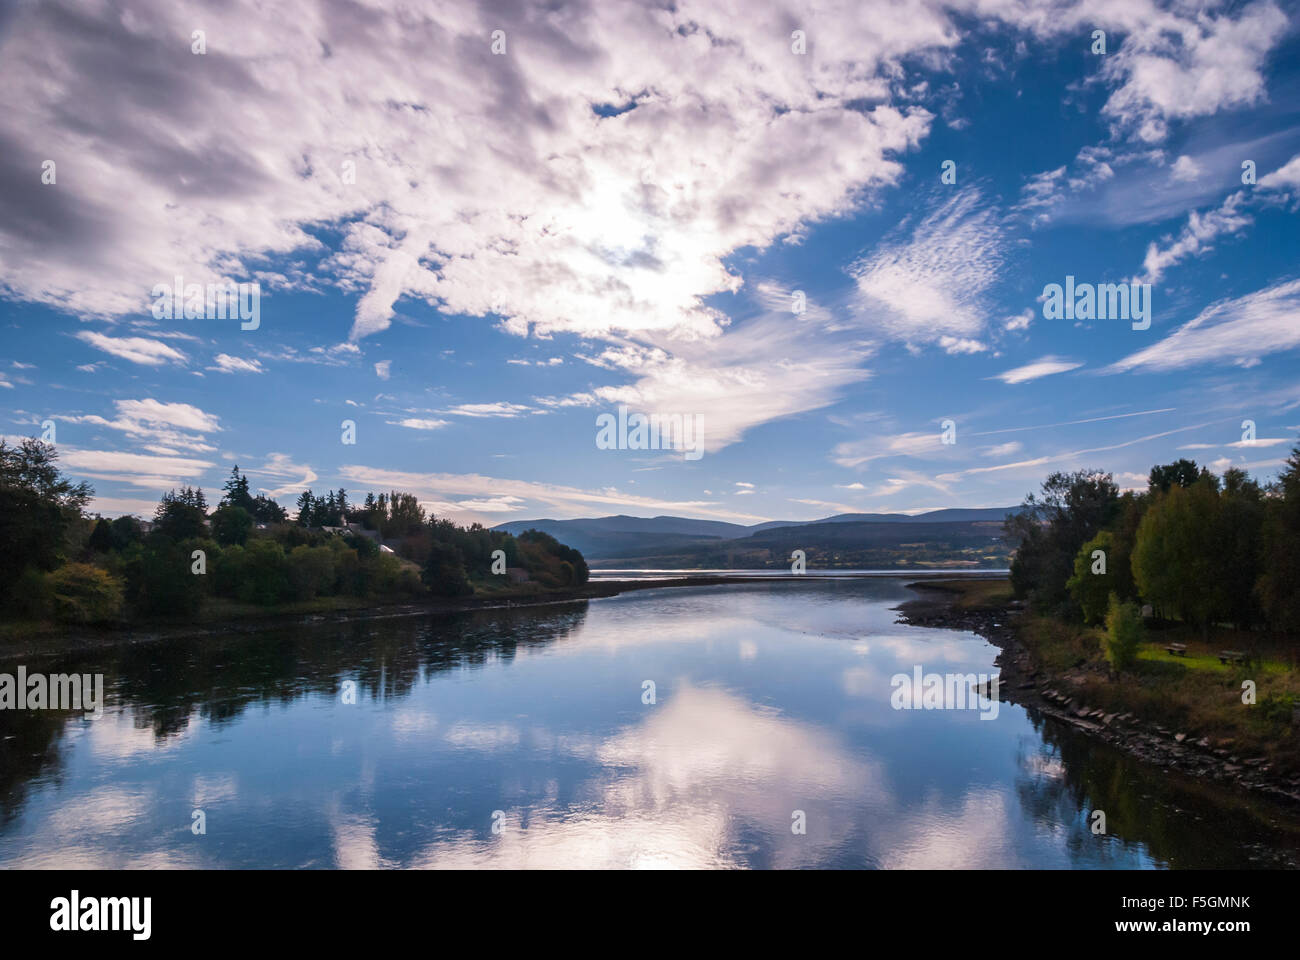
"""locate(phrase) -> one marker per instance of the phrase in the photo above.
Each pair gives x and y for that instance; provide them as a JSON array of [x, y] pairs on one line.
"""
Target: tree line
[[1196, 547], [63, 564]]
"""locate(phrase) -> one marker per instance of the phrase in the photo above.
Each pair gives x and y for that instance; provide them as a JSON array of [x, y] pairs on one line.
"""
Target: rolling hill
[[951, 537]]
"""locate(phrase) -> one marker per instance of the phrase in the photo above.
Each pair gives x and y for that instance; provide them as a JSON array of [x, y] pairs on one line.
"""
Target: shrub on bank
[[81, 593], [1123, 633], [311, 572]]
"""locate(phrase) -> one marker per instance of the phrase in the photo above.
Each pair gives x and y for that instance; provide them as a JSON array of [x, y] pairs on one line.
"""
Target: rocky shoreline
[[1025, 683]]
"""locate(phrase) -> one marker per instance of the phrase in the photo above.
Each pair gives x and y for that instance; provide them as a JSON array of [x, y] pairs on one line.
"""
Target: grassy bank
[[971, 595], [1193, 693]]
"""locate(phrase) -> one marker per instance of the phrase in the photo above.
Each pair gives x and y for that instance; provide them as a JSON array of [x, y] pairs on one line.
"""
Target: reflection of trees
[[29, 744], [1181, 822], [165, 684]]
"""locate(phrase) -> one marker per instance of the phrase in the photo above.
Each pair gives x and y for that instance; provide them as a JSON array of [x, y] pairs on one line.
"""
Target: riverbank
[[224, 618], [1057, 670]]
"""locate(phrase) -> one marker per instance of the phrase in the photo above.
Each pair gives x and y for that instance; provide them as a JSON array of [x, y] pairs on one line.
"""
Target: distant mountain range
[[953, 537]]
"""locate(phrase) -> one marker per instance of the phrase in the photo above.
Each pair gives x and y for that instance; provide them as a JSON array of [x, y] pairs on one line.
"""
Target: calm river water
[[522, 738]]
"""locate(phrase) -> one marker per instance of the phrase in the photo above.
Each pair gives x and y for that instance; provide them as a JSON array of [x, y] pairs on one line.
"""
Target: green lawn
[[1207, 661], [1194, 694]]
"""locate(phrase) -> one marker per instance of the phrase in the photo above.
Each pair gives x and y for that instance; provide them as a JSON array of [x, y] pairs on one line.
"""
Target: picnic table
[[1231, 656], [1177, 649]]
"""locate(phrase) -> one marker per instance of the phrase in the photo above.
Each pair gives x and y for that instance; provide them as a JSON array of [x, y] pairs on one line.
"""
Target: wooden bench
[[1177, 649], [1231, 656]]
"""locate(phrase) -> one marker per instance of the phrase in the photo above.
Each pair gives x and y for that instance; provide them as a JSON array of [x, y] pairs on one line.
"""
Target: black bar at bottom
[[337, 909]]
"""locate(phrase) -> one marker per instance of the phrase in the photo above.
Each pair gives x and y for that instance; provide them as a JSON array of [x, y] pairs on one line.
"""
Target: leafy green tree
[[576, 561], [1119, 563], [405, 517], [1124, 632], [1175, 560], [181, 515], [266, 510], [38, 507], [160, 581], [306, 509], [33, 598], [101, 538], [1239, 537], [1181, 473], [231, 525], [311, 571], [265, 573], [1093, 583], [444, 572], [126, 531], [377, 517], [228, 572], [237, 494], [1278, 587], [1050, 529]]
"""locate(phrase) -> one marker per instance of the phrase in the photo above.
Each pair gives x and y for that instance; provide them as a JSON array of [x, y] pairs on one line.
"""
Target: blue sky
[[473, 254]]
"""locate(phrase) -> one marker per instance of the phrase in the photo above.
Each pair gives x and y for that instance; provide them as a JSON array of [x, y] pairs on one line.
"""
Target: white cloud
[[1196, 237], [955, 345], [767, 368], [1035, 463], [414, 423], [163, 427], [1044, 192], [906, 480], [281, 467], [136, 469], [825, 504], [561, 501], [1258, 442], [1185, 168], [1286, 177], [176, 414], [478, 505], [548, 215], [1020, 321], [855, 453], [1044, 189], [929, 286], [228, 364], [152, 353], [1042, 367], [1239, 331], [500, 409], [1175, 67], [382, 369], [123, 506]]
